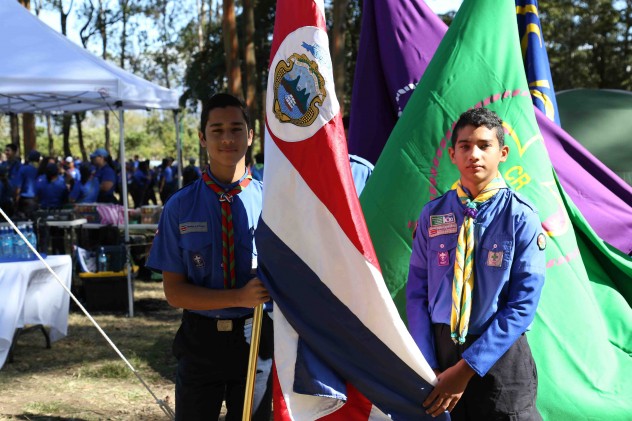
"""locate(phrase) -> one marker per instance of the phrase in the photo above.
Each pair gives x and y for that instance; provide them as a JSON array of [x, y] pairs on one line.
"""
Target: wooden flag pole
[[252, 362]]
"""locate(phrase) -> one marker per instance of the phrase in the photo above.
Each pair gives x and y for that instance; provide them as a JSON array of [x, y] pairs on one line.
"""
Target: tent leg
[[130, 292]]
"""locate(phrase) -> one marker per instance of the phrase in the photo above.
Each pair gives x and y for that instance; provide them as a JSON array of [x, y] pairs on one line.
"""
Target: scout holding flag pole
[[205, 247]]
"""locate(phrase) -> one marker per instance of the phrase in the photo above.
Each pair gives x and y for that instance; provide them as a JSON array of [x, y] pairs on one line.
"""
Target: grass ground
[[82, 378]]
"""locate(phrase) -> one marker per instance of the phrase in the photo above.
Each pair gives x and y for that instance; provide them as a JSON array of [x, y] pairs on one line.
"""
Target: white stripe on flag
[[299, 406], [327, 250]]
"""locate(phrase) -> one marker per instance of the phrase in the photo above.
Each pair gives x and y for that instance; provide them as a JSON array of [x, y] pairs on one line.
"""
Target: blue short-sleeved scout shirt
[[189, 238]]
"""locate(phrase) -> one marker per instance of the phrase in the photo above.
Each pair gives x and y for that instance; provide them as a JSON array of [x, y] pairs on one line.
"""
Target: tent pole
[[178, 148], [130, 297]]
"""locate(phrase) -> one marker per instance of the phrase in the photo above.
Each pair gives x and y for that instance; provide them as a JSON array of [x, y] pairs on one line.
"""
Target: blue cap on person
[[99, 152]]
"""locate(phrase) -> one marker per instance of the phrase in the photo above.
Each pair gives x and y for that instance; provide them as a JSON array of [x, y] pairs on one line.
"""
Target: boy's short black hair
[[478, 117], [222, 100], [12, 146]]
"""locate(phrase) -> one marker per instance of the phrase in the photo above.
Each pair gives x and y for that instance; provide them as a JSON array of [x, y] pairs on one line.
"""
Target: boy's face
[[477, 154], [226, 137], [8, 152]]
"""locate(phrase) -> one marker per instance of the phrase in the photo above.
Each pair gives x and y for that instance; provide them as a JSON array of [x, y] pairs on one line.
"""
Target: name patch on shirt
[[442, 224], [189, 227], [495, 258]]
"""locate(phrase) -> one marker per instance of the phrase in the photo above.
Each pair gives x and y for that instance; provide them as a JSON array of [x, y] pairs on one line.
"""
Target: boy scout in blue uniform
[[205, 249], [481, 246]]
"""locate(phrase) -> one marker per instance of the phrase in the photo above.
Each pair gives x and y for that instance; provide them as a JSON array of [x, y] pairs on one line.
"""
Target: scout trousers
[[213, 364], [506, 393]]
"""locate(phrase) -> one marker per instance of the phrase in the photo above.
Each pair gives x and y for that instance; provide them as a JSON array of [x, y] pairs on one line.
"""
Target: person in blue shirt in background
[[477, 345], [70, 169], [256, 169], [167, 182], [51, 189], [141, 181], [213, 342], [25, 187], [361, 169], [86, 191], [191, 172], [105, 174], [12, 165], [6, 195]]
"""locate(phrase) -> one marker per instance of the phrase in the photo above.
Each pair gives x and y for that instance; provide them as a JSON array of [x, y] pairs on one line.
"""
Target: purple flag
[[601, 196], [398, 40]]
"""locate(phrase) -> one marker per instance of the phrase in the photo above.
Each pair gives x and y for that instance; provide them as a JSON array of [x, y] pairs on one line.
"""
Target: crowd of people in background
[[44, 182]]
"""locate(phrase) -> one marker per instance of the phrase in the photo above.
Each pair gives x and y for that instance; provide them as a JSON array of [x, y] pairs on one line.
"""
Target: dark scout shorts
[[506, 392]]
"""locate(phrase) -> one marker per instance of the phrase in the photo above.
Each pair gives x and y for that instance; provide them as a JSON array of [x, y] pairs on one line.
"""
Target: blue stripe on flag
[[336, 335]]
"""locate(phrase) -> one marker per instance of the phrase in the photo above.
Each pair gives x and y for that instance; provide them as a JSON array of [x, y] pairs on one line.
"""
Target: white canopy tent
[[41, 71]]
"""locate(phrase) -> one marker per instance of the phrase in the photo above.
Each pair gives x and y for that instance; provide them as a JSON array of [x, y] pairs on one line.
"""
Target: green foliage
[[588, 43]]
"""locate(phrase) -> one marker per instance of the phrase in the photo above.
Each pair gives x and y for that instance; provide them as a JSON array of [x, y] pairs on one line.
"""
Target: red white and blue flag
[[341, 348]]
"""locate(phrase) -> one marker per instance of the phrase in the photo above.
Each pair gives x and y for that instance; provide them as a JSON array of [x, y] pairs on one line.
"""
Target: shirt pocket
[[442, 252], [496, 252], [197, 253]]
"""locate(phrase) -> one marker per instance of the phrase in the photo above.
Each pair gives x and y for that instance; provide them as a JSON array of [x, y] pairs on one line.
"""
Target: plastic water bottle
[[30, 235], [19, 245], [7, 243], [102, 260], [3, 233]]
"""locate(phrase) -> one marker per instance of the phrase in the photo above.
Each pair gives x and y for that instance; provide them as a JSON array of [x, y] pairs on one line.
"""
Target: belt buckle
[[224, 325]]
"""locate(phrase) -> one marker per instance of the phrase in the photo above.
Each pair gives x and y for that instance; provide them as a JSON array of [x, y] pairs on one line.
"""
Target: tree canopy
[[181, 45]]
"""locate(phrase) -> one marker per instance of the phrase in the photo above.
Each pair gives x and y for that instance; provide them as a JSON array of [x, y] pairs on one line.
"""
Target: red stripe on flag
[[357, 407], [291, 15], [331, 180], [280, 407]]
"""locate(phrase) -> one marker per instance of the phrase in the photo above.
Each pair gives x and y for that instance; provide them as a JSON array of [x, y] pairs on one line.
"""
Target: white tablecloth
[[29, 294]]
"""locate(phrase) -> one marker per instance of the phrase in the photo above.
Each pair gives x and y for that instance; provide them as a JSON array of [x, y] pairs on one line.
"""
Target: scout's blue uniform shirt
[[509, 274], [361, 170], [27, 174], [189, 238]]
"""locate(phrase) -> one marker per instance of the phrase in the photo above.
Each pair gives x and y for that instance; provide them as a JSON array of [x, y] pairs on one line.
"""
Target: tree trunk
[[28, 119], [66, 123], [102, 25], [231, 48], [15, 129], [251, 64], [201, 5], [28, 131], [124, 5], [49, 133], [78, 120], [338, 50], [63, 19], [106, 119]]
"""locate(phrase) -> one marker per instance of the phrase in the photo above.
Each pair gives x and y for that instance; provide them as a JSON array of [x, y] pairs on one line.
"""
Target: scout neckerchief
[[228, 238], [463, 281]]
